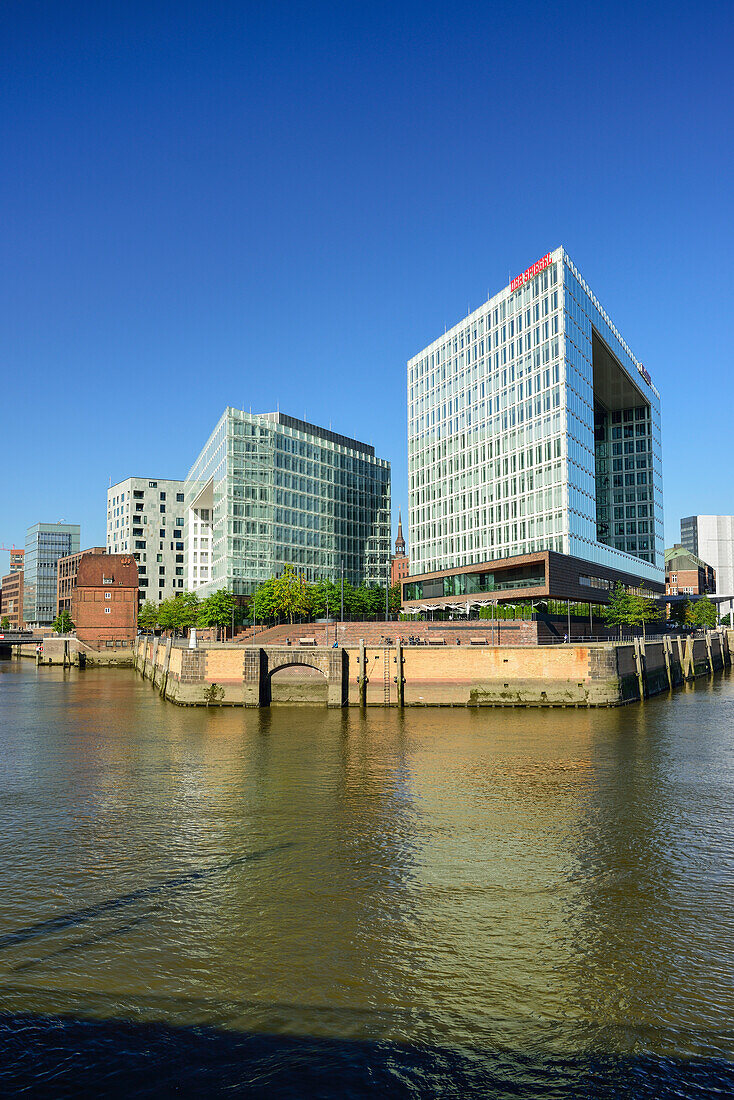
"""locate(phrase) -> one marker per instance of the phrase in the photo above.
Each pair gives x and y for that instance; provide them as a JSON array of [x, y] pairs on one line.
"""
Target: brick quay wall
[[590, 674]]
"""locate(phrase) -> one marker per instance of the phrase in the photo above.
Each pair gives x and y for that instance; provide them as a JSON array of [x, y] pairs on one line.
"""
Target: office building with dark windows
[[534, 456]]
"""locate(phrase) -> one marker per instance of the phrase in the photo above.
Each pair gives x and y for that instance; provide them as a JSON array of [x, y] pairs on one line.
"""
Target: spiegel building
[[534, 454], [268, 490]]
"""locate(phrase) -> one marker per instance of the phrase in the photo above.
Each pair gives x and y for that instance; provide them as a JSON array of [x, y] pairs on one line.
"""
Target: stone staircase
[[374, 633]]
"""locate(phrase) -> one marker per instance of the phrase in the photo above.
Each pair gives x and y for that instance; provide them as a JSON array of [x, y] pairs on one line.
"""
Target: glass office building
[[268, 491], [533, 428], [45, 543]]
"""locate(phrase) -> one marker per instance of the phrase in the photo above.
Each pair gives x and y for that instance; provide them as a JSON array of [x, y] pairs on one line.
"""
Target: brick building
[[66, 572], [105, 600], [400, 562], [11, 598], [686, 574], [17, 557]]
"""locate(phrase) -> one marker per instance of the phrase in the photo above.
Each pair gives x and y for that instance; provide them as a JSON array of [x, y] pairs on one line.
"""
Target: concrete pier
[[584, 675]]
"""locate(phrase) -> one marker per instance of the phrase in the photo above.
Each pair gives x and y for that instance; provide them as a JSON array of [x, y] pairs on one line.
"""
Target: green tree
[[704, 613], [619, 610], [643, 610], [180, 613], [148, 616], [290, 594], [681, 612], [263, 605], [62, 624], [218, 609], [324, 596], [396, 598], [725, 620], [5, 623]]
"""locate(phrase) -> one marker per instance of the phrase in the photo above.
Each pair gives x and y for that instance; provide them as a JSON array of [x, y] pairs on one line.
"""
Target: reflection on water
[[296, 901]]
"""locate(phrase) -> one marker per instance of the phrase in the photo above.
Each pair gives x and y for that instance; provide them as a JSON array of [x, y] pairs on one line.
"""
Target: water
[[298, 902]]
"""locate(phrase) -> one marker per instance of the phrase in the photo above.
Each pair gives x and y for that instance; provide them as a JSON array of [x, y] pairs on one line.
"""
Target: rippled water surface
[[298, 902]]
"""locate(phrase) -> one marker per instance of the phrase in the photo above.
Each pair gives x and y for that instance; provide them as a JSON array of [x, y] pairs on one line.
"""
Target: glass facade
[[45, 543], [531, 426], [268, 491]]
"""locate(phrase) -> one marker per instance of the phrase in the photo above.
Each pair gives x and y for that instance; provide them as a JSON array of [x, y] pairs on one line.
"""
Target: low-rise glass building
[[533, 428], [269, 490]]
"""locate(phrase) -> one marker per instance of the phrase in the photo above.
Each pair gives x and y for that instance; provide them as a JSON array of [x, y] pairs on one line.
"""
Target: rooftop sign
[[532, 271]]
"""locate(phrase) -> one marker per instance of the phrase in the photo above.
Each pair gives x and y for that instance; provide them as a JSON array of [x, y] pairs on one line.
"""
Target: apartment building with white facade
[[145, 516], [533, 430]]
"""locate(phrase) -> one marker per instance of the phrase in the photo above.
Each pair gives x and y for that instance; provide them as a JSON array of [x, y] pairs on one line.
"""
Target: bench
[[307, 641]]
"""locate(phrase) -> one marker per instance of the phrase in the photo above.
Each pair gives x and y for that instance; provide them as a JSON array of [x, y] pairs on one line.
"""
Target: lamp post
[[342, 570]]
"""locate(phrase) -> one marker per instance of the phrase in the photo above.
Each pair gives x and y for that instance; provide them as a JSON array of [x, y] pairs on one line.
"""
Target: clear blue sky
[[256, 204]]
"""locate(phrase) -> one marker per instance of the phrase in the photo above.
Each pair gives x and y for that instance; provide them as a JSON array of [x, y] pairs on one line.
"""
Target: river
[[298, 902]]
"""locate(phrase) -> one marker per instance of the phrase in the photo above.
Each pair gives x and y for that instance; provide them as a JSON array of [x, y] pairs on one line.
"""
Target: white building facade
[[145, 516], [712, 539], [533, 427]]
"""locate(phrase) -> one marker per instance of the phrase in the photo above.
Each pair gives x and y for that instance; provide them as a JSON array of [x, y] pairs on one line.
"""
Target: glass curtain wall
[[269, 491]]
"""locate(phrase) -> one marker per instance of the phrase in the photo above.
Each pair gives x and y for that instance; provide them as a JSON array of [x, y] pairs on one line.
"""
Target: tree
[[218, 609], [62, 624], [180, 613], [5, 623], [643, 610], [704, 613], [148, 616], [324, 599], [290, 594], [681, 613], [263, 605], [396, 598], [619, 611]]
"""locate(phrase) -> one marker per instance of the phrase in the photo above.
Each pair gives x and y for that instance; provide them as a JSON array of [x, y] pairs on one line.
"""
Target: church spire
[[400, 541]]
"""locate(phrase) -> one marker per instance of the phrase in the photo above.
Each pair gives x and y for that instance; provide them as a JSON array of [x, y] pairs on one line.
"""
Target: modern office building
[[145, 517], [533, 436], [66, 573], [712, 538], [268, 491], [45, 543]]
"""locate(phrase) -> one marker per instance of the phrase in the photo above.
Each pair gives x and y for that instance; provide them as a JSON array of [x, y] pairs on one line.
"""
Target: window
[[162, 507], [107, 610], [163, 496], [108, 595], [179, 498], [152, 484]]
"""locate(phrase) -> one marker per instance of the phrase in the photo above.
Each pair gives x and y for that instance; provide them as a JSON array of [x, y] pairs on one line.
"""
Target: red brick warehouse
[[105, 600]]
